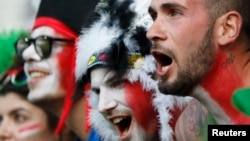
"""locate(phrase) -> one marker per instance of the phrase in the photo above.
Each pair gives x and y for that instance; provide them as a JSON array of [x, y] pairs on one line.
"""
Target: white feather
[[162, 103], [94, 39], [141, 9]]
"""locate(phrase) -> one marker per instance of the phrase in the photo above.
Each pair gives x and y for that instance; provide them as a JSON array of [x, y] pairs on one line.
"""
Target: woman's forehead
[[45, 30]]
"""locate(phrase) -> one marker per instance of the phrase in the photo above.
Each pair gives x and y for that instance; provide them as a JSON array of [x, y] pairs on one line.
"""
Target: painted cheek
[[29, 131], [140, 102], [66, 65]]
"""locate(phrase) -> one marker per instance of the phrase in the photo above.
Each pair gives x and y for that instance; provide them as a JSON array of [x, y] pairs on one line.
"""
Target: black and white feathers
[[120, 28], [119, 23]]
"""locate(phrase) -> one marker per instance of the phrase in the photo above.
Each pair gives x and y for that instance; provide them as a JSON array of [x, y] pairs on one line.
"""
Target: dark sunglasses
[[15, 77], [43, 45]]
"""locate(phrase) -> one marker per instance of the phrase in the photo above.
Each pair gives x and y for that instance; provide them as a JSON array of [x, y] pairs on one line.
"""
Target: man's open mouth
[[122, 125], [163, 59], [163, 62]]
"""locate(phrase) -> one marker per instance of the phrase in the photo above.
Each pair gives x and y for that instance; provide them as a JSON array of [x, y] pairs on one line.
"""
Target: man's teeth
[[117, 120], [37, 74], [165, 68]]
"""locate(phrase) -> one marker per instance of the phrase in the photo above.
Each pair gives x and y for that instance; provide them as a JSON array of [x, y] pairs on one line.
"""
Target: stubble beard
[[198, 64]]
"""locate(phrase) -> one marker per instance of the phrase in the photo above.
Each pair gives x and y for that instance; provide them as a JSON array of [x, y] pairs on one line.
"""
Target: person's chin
[[40, 95], [35, 97]]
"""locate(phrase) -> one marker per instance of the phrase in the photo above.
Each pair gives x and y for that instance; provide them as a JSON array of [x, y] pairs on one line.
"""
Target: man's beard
[[198, 65]]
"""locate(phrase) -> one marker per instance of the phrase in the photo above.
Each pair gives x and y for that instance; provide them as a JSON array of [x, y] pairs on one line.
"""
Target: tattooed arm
[[192, 123]]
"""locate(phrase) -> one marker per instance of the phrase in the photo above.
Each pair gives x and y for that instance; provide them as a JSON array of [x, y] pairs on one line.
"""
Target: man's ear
[[228, 27]]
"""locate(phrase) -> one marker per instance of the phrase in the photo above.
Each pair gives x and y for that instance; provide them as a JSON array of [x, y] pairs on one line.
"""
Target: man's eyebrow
[[109, 80], [109, 77], [172, 5], [166, 6]]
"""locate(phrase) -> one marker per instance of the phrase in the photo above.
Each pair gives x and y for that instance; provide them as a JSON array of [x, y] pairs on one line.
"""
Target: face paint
[[29, 130], [221, 89], [51, 72], [138, 98], [65, 58]]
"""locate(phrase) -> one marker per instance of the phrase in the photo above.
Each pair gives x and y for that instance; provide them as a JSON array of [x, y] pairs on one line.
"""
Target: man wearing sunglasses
[[48, 56]]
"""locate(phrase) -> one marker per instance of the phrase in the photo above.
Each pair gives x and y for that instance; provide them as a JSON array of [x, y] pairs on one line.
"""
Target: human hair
[[7, 86], [20, 87], [217, 8]]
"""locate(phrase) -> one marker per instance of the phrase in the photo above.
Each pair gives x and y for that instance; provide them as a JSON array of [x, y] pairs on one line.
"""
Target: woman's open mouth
[[36, 76]]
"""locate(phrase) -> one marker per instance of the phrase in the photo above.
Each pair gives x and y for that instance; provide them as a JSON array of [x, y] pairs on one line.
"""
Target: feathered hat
[[117, 40], [66, 17]]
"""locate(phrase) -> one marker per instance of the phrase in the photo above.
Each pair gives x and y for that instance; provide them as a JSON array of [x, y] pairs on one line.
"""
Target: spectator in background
[[13, 83], [21, 120], [49, 56]]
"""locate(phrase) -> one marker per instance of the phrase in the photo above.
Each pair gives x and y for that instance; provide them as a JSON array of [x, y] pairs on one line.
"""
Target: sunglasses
[[15, 77], [43, 45]]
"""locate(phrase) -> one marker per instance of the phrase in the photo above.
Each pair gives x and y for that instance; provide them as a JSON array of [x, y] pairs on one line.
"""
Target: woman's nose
[[29, 54], [6, 133]]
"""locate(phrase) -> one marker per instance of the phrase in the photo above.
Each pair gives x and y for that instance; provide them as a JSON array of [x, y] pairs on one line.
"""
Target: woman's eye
[[1, 119], [20, 118]]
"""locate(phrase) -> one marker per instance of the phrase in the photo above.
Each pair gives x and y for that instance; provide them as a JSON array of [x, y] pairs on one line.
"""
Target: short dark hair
[[217, 8]]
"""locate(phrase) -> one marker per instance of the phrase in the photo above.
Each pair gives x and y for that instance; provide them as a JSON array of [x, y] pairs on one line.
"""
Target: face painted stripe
[[29, 130], [35, 126]]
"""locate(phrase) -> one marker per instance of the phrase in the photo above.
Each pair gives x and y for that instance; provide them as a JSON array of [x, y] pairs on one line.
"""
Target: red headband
[[57, 25]]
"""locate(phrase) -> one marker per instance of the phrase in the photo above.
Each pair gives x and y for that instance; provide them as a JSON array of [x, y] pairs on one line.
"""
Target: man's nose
[[106, 102], [157, 31]]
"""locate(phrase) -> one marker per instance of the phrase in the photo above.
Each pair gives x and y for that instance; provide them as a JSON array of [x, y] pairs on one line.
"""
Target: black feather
[[142, 41], [119, 12], [118, 56]]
